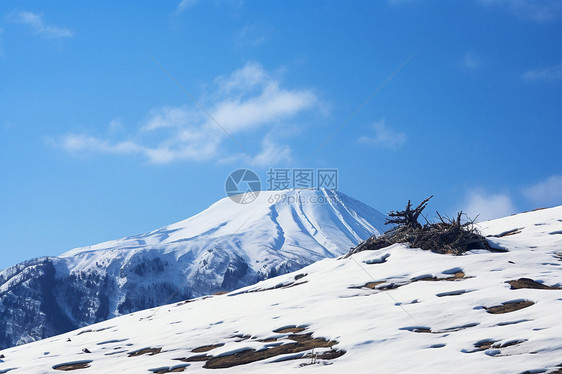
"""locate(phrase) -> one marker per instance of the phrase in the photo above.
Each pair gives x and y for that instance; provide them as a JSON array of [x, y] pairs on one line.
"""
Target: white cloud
[[185, 4], [245, 79], [184, 147], [545, 193], [35, 21], [488, 206], [384, 136], [167, 117], [550, 73], [271, 105], [272, 153], [471, 61], [252, 35], [116, 126], [246, 101], [80, 142], [535, 10]]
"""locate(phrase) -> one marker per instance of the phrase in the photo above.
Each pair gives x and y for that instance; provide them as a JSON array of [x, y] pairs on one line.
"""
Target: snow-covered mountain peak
[[224, 247], [323, 223]]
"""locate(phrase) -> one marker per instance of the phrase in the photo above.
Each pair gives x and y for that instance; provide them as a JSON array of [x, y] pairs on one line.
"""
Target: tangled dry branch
[[452, 236]]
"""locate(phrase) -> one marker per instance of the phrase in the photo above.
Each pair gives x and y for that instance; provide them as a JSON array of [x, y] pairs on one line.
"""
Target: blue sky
[[457, 99]]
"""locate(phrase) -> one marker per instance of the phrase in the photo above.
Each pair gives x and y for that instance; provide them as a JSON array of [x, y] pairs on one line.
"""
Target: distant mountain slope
[[395, 310], [223, 248]]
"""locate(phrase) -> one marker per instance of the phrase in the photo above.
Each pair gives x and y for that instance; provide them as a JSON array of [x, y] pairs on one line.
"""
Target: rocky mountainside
[[223, 248]]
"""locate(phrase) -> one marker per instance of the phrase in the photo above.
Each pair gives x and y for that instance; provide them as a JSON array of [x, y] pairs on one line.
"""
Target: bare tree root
[[450, 236]]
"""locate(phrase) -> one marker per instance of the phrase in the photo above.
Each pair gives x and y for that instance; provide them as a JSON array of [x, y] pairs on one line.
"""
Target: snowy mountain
[[394, 310], [223, 248]]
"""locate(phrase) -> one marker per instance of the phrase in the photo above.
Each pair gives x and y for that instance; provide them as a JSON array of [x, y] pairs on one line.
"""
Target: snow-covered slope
[[225, 247], [396, 310]]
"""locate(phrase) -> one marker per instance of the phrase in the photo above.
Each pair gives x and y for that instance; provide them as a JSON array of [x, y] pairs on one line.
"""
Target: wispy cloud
[[488, 206], [550, 73], [485, 205], [79, 142], [249, 77], [383, 136], [534, 10], [36, 23], [116, 126], [252, 34], [185, 4], [545, 193], [272, 152], [245, 102], [471, 61]]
